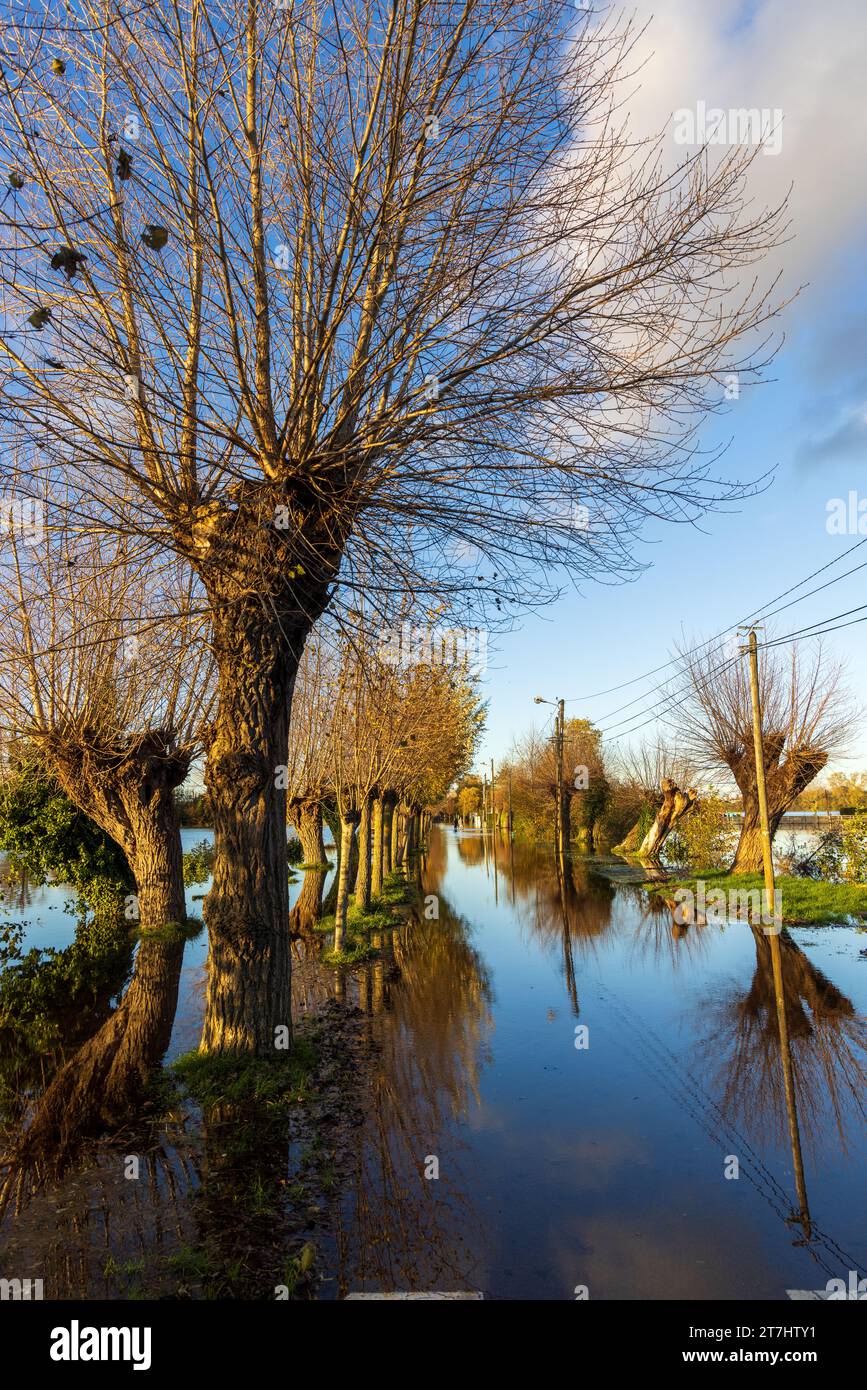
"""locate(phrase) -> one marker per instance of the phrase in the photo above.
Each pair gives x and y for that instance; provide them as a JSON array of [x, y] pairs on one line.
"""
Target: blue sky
[[809, 419]]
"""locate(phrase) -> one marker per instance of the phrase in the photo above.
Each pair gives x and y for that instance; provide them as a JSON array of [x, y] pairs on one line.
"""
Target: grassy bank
[[806, 902], [386, 912]]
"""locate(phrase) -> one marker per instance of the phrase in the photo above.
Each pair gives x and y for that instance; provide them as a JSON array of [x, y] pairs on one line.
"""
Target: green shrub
[[853, 840], [198, 863], [704, 839]]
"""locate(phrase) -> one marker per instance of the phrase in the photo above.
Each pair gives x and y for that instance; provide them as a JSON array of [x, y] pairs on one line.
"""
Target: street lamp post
[[562, 848]]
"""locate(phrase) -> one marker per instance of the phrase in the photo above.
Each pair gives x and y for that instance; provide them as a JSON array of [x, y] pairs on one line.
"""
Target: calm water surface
[[558, 1166]]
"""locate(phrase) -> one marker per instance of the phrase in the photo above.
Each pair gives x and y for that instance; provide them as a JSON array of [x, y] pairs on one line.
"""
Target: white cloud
[[808, 60]]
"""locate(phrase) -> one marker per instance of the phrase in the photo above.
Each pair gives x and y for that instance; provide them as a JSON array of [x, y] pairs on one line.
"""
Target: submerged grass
[[379, 917], [806, 901], [187, 930], [209, 1078]]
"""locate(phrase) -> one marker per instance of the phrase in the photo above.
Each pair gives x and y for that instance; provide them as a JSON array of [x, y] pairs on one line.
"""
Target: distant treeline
[[194, 808]]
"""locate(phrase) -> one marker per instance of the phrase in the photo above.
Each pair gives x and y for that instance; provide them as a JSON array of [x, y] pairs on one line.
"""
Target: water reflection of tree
[[471, 849], [307, 909], [568, 911], [828, 1044], [656, 935], [429, 999], [51, 1001], [16, 891], [100, 1090], [104, 1082]]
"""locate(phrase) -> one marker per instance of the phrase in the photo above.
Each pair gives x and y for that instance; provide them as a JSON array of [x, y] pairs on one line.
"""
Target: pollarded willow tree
[[292, 288], [806, 714], [106, 672]]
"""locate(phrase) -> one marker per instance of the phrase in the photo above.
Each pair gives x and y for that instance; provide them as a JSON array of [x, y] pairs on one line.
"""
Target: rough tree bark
[[785, 779], [348, 822], [247, 909], [267, 585], [376, 849], [389, 836], [675, 805], [307, 819], [308, 907], [362, 878], [131, 797]]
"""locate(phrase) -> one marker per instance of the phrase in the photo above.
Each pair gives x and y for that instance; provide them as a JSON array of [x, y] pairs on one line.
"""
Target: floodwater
[[499, 1150]]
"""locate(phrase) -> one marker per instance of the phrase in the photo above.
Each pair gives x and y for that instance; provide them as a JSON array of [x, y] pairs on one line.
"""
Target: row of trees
[[296, 300], [108, 682], [376, 744]]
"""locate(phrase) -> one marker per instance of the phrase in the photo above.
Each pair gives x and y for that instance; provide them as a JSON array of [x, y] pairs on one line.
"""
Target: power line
[[612, 689], [662, 685], [817, 629]]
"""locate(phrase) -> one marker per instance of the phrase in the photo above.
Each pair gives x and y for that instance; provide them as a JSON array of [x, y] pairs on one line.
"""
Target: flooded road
[[504, 1152]]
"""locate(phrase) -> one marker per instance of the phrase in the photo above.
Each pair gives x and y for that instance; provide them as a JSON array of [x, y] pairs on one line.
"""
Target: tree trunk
[[749, 857], [307, 819], [376, 850], [362, 880], [675, 805], [308, 906], [389, 847], [631, 843], [787, 773], [131, 796], [158, 866], [247, 909], [348, 822], [410, 836]]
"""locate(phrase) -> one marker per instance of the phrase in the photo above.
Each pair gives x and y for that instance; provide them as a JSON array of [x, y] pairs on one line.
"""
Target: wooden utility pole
[[561, 847], [774, 934], [759, 750], [510, 802], [493, 801]]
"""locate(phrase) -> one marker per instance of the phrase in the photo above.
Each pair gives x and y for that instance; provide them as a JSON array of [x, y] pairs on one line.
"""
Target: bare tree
[[675, 804], [293, 290], [806, 716], [105, 671], [652, 776]]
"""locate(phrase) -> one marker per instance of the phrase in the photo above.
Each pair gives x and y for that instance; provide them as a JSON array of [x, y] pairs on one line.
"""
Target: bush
[[854, 846], [704, 839], [840, 856], [198, 863], [47, 837]]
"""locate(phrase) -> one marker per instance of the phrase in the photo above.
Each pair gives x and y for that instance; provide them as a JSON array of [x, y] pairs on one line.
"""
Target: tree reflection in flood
[[828, 1043], [402, 1230], [540, 1150]]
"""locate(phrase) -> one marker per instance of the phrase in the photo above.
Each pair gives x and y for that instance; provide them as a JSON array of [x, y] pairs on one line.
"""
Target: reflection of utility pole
[[773, 933]]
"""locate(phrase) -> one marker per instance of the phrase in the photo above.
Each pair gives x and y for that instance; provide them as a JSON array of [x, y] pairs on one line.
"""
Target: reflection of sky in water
[[50, 922], [604, 1167]]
